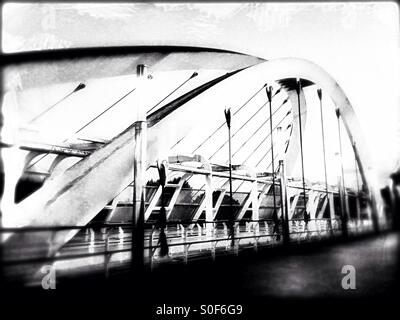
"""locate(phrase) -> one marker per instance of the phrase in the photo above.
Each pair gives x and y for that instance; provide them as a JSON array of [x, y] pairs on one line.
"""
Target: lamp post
[[227, 113]]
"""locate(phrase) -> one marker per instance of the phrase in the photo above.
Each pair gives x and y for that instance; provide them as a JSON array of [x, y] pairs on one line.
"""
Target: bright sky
[[357, 43]]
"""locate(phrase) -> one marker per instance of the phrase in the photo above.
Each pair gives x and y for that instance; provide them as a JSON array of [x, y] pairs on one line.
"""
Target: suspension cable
[[223, 123], [195, 74], [243, 125], [267, 170], [87, 124], [237, 131], [262, 141], [259, 128], [79, 87]]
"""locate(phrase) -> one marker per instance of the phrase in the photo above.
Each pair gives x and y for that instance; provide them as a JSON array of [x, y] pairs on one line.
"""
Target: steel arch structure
[[75, 188]]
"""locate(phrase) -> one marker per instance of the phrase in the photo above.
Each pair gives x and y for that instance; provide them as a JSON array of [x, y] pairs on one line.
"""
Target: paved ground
[[292, 280], [319, 273]]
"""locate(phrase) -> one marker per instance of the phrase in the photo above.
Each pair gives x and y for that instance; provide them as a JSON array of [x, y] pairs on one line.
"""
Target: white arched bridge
[[97, 143]]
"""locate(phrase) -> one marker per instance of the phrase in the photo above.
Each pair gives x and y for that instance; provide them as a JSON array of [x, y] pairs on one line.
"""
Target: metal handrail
[[255, 232]]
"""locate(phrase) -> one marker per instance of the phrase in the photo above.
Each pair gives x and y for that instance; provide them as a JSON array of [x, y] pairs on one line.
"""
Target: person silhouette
[[162, 240], [276, 221]]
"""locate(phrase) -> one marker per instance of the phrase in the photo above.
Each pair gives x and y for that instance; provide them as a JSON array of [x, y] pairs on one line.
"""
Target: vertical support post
[[162, 216], [232, 218], [139, 166], [343, 218], [185, 246], [319, 91], [151, 247], [331, 209], [298, 89], [342, 188], [209, 206], [255, 215], [269, 94], [346, 203], [2, 176], [358, 188], [284, 202], [139, 170]]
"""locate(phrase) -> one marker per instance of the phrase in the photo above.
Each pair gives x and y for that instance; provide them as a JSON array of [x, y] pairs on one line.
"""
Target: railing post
[[256, 232], [92, 240], [213, 245], [107, 255], [87, 234], [225, 229], [151, 247], [185, 246], [255, 215], [120, 236]]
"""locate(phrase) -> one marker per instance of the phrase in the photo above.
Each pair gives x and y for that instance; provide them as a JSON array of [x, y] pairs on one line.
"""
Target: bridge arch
[[51, 198], [304, 69]]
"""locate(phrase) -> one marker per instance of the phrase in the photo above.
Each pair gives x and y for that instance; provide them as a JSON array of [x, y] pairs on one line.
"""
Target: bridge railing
[[103, 247]]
